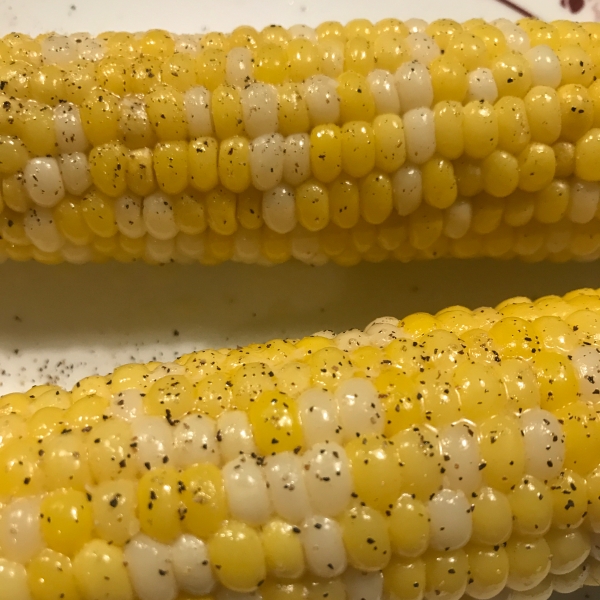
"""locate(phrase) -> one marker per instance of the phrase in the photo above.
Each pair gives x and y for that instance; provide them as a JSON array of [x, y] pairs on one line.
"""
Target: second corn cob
[[345, 142], [421, 458]]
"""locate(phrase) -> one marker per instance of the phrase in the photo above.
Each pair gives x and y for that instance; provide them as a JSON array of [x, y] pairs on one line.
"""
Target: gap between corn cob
[[394, 140], [421, 458]]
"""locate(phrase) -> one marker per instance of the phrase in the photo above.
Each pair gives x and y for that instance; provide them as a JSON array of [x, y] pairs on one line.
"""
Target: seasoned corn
[[433, 456], [441, 139]]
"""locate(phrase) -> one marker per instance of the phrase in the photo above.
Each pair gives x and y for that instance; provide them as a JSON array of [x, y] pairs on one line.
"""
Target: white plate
[[62, 323]]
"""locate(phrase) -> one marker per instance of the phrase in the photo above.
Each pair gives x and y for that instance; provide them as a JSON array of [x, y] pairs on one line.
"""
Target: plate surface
[[58, 324]]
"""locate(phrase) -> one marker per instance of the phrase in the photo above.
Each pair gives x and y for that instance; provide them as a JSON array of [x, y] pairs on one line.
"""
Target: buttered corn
[[421, 458], [400, 140]]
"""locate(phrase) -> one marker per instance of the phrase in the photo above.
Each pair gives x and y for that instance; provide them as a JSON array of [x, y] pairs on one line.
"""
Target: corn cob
[[399, 140], [421, 458]]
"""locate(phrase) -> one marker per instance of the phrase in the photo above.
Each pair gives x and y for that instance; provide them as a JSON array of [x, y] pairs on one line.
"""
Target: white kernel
[[322, 99], [75, 171], [195, 441], [70, 136], [43, 181], [286, 486], [517, 39], [559, 236], [238, 67], [127, 405], [360, 408], [76, 255], [246, 246], [150, 569], [158, 250], [197, 102], [306, 247], [235, 434], [407, 189], [13, 580], [266, 161], [383, 88], [323, 547], [128, 216], [259, 106], [570, 582], [246, 489], [88, 47], [327, 477], [460, 450], [450, 520], [422, 47], [158, 216], [457, 219], [303, 32], [190, 561], [58, 50], [419, 131], [41, 229], [545, 66], [363, 586], [416, 25], [296, 162], [544, 443], [350, 339], [154, 439], [191, 246], [20, 532], [481, 86], [586, 361], [413, 84], [584, 199], [279, 209], [319, 414]]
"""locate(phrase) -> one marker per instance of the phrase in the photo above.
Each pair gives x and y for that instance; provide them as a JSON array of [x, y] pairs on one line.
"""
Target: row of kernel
[[150, 571], [363, 50], [543, 114], [559, 243]]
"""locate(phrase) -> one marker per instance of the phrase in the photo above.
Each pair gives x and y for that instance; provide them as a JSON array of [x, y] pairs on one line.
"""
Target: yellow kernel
[[532, 507], [500, 173], [552, 202], [274, 420], [425, 226], [405, 578], [577, 111], [389, 51], [221, 209], [108, 168], [67, 523], [375, 471], [492, 517], [344, 200], [204, 498], [358, 148], [47, 85], [575, 65], [98, 214], [449, 135], [140, 174], [537, 165], [100, 117], [488, 569], [249, 209], [586, 164], [166, 112], [376, 200], [468, 49], [100, 572], [111, 74], [292, 110], [356, 100], [449, 79], [326, 152], [13, 155], [366, 538], [50, 575], [238, 556], [270, 63], [245, 36], [234, 165], [284, 555], [210, 67], [556, 379], [439, 184], [359, 56], [481, 129], [569, 497], [171, 166], [179, 71], [157, 43], [442, 30], [544, 114], [160, 508], [21, 475], [202, 163], [446, 572], [512, 74], [513, 124], [302, 59], [409, 526], [312, 205], [469, 177]]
